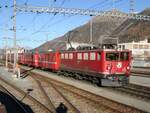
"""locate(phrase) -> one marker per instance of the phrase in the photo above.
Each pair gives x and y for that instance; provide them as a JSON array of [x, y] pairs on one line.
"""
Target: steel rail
[[54, 87], [92, 96], [50, 104], [28, 96]]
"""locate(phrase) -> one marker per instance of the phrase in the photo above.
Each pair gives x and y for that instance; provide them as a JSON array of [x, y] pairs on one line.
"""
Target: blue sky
[[34, 29]]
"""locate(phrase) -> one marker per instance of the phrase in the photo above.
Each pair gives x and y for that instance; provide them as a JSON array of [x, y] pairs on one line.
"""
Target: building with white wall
[[140, 52]]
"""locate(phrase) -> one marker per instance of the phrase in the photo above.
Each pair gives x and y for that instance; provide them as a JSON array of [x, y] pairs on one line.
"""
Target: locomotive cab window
[[124, 56], [92, 56], [112, 56], [117, 56]]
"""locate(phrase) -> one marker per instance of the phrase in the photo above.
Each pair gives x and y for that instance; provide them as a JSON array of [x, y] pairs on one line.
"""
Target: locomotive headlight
[[128, 67], [108, 67]]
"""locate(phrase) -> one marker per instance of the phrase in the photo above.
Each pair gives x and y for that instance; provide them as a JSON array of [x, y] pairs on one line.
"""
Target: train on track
[[105, 67]]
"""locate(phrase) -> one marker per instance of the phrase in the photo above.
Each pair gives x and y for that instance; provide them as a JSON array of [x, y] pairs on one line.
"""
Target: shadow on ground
[[12, 106]]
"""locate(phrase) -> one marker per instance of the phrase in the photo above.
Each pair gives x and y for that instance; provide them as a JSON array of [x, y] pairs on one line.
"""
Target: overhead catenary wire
[[46, 24], [61, 20], [99, 4], [104, 5], [26, 2]]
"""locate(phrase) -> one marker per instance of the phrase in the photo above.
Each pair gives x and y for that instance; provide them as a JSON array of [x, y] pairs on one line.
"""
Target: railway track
[[135, 91], [140, 73], [35, 105], [71, 108], [102, 103], [96, 100], [11, 97]]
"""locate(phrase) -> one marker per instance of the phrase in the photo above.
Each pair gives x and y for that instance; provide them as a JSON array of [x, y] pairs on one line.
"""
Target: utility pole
[[91, 31], [14, 29], [113, 4], [6, 57], [10, 55]]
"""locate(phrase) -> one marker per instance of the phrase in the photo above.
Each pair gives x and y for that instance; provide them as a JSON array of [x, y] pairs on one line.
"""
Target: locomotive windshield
[[117, 56]]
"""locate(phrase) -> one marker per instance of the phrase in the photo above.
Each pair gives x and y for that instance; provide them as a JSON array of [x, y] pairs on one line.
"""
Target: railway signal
[[14, 29]]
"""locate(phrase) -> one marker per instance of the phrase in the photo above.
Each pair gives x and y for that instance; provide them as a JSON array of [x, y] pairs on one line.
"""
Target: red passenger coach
[[100, 66], [21, 58], [49, 60], [28, 59], [36, 59]]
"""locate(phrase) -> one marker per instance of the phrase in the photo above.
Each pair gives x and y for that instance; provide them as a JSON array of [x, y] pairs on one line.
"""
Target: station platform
[[104, 92], [23, 84]]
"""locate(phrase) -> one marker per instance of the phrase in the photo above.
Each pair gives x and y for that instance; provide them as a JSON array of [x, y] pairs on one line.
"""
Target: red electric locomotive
[[105, 67]]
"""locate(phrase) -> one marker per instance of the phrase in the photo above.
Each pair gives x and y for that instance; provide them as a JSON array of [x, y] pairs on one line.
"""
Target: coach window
[[54, 58], [79, 56], [66, 55], [62, 56], [98, 56], [85, 56], [70, 55], [92, 56], [40, 58]]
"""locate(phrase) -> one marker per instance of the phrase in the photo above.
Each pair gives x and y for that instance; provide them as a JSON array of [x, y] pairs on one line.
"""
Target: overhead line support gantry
[[75, 11]]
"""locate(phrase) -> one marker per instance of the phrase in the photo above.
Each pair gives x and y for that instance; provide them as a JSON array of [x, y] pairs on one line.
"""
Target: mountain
[[126, 30], [133, 30]]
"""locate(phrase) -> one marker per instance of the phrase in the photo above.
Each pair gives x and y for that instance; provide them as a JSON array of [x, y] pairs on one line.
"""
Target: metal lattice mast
[[132, 5], [14, 29], [74, 11], [91, 31]]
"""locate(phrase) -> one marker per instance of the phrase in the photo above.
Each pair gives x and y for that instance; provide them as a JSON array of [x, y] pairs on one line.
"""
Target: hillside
[[133, 30], [127, 30]]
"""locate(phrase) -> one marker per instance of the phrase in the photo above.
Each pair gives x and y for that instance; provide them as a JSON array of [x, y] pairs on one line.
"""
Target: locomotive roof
[[94, 50], [113, 50]]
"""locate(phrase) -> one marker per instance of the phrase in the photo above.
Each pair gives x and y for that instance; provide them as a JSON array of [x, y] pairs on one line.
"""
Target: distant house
[[20, 50], [140, 52]]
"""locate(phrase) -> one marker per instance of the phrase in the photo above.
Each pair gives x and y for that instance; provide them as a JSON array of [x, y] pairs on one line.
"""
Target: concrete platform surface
[[139, 80], [125, 99], [21, 83], [25, 84]]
